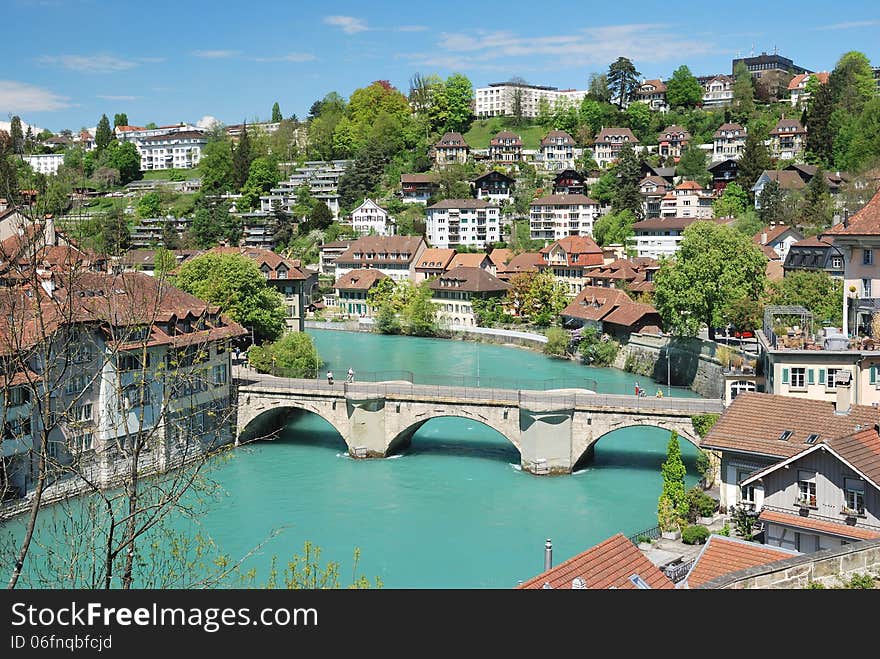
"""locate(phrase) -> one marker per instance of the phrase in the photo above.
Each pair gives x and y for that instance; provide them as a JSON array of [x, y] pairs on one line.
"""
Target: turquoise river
[[452, 511]]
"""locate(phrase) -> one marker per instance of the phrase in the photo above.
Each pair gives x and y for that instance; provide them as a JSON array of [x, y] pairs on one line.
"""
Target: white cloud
[[348, 24], [22, 97], [289, 57], [412, 28], [504, 50], [207, 122], [848, 25], [216, 54], [110, 97], [102, 63]]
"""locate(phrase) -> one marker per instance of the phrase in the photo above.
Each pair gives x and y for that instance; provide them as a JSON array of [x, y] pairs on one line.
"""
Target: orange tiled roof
[[435, 258], [360, 279], [721, 555], [608, 564], [864, 223], [467, 260]]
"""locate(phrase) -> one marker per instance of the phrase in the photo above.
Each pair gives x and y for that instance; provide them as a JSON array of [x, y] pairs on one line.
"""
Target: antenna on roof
[[752, 51]]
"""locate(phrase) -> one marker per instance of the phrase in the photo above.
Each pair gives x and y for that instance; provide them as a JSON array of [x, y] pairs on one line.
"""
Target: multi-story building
[[559, 151], [353, 289], [506, 147], [471, 222], [433, 262], [396, 256], [723, 172], [571, 260], [858, 238], [728, 142], [787, 180], [417, 188], [45, 163], [814, 254], [660, 237], [152, 231], [369, 218], [764, 63], [498, 99], [777, 241], [609, 142], [688, 199], [322, 179], [654, 189], [569, 181], [455, 290], [718, 91], [671, 141], [137, 133], [451, 149], [329, 253], [653, 94], [797, 87], [787, 140], [179, 150], [494, 186], [560, 215]]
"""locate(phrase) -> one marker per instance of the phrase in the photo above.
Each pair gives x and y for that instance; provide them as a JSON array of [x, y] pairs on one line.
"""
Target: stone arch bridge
[[554, 431]]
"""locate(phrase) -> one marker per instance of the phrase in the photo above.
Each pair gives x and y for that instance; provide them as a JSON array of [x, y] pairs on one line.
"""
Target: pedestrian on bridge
[[329, 377], [350, 375]]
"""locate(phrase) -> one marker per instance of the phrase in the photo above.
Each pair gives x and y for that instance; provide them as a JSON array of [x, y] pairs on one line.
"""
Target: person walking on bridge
[[350, 375], [329, 377]]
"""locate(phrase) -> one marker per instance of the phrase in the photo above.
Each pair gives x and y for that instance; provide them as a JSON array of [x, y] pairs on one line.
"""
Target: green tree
[[164, 262], [818, 208], [276, 114], [754, 161], [103, 134], [745, 313], [558, 341], [627, 196], [236, 285], [543, 301], [693, 164], [16, 134], [420, 313], [683, 90], [598, 88], [820, 136], [749, 223], [216, 167], [605, 189], [241, 159], [459, 96], [771, 202], [673, 472], [623, 80], [852, 82], [212, 223], [124, 158], [120, 119], [863, 149], [262, 177], [714, 266], [320, 219], [732, 203], [614, 228], [115, 233], [293, 356], [387, 321], [743, 94], [150, 205], [817, 291], [638, 117]]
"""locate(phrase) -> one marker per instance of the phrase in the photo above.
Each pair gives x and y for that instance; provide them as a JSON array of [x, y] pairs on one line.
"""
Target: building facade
[[499, 98], [559, 216], [470, 222]]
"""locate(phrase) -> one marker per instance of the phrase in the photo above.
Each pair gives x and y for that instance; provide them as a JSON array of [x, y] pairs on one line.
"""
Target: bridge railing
[[388, 389]]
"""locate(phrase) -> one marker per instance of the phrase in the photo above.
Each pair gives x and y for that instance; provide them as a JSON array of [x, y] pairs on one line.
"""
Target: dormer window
[[786, 435]]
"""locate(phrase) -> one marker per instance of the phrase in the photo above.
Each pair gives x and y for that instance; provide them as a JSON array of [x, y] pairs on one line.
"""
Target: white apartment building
[[369, 218], [322, 179], [609, 142], [688, 199], [728, 142], [470, 222], [660, 237], [561, 215], [497, 99], [45, 163], [138, 133], [718, 91], [181, 150]]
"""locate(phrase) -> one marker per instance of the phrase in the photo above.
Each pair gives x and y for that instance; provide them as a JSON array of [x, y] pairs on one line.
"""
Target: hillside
[[483, 130]]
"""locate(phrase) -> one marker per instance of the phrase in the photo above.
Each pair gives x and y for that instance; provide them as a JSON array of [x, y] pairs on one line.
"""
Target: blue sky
[[68, 61]]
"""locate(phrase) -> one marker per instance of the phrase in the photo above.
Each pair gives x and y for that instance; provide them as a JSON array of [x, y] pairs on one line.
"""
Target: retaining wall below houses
[[830, 567], [692, 362]]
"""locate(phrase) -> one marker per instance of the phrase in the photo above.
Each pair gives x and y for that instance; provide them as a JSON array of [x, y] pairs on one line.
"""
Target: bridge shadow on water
[[642, 449], [459, 437]]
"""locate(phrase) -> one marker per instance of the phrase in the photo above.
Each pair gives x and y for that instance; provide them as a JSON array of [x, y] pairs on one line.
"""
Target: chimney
[[844, 393], [764, 238], [548, 555]]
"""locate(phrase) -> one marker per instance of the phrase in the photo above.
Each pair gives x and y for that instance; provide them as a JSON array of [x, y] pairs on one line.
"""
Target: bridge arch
[[403, 438], [269, 418], [684, 427]]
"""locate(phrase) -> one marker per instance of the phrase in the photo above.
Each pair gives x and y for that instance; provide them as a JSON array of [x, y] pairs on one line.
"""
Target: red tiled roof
[[359, 280], [814, 241], [468, 260], [500, 256], [451, 140], [609, 564], [606, 133], [689, 185], [521, 263], [864, 223], [772, 234], [657, 84], [418, 178], [464, 278], [461, 203], [813, 524], [754, 422], [382, 245], [596, 302], [498, 140], [862, 451], [787, 126], [674, 132], [554, 135], [628, 315], [671, 223], [721, 555], [729, 128], [268, 258]]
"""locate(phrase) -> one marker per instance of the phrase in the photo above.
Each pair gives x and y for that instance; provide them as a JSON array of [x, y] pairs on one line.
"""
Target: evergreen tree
[[30, 142], [692, 164], [743, 94], [771, 201], [820, 137], [103, 134], [276, 113], [115, 234], [623, 80], [673, 472], [8, 173], [754, 161], [16, 134], [817, 209], [627, 195], [120, 119], [241, 159]]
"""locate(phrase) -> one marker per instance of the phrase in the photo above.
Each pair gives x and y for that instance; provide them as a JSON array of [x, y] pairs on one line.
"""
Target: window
[[746, 492], [136, 395], [53, 449], [19, 396], [807, 488], [218, 374], [837, 263], [83, 412], [798, 376], [854, 490], [868, 257], [785, 436], [811, 439], [75, 385], [831, 383], [131, 362], [866, 288], [82, 442]]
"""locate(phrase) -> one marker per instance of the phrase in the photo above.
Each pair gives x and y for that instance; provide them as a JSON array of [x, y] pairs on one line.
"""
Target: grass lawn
[[483, 130], [165, 174]]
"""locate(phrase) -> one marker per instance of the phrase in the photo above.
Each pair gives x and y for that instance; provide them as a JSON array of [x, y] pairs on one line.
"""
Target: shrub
[[644, 538], [557, 342], [667, 517], [860, 581], [815, 585], [725, 530], [703, 423], [596, 349], [699, 504], [744, 522], [694, 535]]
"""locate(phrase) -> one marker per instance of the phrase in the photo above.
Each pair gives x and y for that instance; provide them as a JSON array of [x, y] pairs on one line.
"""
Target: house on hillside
[[417, 188], [609, 142], [506, 147], [395, 256], [432, 263], [672, 141], [788, 139], [728, 142], [451, 149], [494, 186], [556, 216], [653, 94], [371, 218], [455, 290], [469, 222], [571, 260], [352, 290], [559, 151]]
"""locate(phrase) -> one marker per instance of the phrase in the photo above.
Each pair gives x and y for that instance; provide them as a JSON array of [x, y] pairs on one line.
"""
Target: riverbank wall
[[478, 334], [673, 360]]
